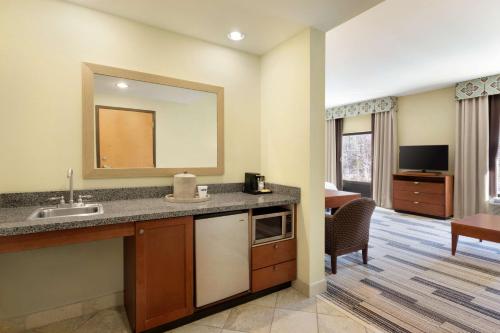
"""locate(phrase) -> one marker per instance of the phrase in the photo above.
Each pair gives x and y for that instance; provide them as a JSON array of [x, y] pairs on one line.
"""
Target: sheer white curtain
[[384, 156], [471, 157], [331, 152]]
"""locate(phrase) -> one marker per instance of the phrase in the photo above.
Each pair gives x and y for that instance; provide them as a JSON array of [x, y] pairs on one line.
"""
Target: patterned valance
[[484, 86], [358, 109]]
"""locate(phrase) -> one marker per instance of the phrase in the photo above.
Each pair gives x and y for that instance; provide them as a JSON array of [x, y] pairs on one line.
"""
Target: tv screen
[[423, 157]]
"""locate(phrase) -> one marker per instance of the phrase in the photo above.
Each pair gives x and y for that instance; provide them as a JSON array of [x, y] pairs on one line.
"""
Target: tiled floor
[[286, 311]]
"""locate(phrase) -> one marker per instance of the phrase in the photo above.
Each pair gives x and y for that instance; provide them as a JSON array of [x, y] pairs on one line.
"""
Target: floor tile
[[268, 300], [250, 318], [328, 308], [68, 325], [215, 320], [196, 329], [288, 321], [106, 321], [338, 324], [291, 299], [230, 331], [54, 315]]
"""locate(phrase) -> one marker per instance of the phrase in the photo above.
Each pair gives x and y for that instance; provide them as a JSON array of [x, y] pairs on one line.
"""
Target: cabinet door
[[164, 271]]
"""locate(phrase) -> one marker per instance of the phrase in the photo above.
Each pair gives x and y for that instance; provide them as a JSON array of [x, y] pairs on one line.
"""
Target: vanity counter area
[[165, 244], [14, 220]]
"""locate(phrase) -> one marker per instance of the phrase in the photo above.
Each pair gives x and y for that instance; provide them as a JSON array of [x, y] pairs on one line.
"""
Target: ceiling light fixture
[[122, 85], [236, 35]]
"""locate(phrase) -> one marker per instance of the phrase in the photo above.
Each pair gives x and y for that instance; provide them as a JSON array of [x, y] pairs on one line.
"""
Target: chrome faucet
[[71, 202], [70, 176]]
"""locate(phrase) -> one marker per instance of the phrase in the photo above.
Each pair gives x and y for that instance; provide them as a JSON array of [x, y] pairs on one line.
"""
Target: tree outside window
[[357, 157]]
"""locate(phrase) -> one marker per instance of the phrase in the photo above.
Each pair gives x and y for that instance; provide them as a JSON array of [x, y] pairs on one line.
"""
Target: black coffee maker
[[255, 184]]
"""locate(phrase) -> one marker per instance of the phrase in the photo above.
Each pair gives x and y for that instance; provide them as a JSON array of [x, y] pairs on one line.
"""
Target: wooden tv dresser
[[421, 194]]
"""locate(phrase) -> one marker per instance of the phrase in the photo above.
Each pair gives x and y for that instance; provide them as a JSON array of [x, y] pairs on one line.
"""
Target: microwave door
[[267, 229]]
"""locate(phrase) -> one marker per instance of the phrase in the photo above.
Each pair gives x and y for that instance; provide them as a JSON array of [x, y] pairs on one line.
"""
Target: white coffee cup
[[202, 191]]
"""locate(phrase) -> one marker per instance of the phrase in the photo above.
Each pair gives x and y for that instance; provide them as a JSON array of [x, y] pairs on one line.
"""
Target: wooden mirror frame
[[89, 130]]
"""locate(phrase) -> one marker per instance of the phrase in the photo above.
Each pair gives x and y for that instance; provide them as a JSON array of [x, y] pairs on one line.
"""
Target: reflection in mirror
[[146, 125]]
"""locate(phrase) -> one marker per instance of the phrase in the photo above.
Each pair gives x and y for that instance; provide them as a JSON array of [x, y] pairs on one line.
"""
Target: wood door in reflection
[[125, 138]]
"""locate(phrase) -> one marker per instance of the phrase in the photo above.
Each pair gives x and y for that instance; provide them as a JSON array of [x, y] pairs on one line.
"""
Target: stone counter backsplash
[[25, 199]]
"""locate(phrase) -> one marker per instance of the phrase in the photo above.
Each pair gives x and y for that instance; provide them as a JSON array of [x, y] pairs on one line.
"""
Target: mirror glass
[[148, 125]]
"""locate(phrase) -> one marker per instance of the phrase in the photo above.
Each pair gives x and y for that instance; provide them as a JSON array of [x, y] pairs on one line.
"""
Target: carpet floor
[[412, 283]]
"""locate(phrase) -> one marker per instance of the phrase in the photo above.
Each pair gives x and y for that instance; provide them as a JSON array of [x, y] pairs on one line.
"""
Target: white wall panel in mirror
[[183, 125]]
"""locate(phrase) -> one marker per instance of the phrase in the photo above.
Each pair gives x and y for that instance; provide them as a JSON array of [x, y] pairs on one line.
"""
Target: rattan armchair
[[348, 230]]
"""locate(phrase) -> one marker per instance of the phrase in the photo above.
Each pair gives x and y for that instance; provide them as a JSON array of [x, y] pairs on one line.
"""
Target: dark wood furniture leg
[[454, 241], [365, 255], [333, 263]]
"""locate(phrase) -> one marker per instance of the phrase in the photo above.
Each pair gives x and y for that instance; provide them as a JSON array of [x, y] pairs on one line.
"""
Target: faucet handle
[[81, 198], [61, 199]]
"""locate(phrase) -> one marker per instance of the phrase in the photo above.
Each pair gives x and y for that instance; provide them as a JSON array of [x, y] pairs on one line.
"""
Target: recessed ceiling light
[[236, 35], [122, 85]]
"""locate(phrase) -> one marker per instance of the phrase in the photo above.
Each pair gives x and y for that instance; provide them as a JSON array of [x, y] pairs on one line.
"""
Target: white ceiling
[[104, 84], [266, 23], [407, 46]]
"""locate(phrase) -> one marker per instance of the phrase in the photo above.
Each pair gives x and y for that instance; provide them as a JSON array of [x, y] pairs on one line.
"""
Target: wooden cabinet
[[273, 253], [423, 194], [159, 272], [274, 275], [274, 263]]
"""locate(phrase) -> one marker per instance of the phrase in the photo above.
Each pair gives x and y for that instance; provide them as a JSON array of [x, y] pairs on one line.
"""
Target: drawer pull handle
[[416, 202], [141, 231], [276, 246], [416, 192], [416, 183]]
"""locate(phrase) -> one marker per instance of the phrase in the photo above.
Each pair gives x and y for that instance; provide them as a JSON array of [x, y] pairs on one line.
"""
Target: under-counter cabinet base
[[159, 272]]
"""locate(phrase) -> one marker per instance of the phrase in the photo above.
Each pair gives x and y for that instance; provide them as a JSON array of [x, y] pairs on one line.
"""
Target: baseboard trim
[[46, 317], [310, 290]]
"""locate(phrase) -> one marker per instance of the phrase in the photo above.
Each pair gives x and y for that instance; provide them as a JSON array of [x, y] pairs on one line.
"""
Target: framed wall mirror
[[139, 125]]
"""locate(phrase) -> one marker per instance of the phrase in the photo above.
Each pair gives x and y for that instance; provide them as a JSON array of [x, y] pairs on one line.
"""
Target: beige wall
[[428, 119], [293, 123], [42, 46], [357, 124]]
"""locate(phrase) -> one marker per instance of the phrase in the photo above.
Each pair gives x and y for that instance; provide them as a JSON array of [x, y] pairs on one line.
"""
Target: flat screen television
[[424, 157]]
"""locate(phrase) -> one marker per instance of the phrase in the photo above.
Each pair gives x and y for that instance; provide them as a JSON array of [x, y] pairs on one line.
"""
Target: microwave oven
[[272, 224]]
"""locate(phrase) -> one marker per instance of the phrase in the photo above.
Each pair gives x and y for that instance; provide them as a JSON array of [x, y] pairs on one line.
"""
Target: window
[[357, 157]]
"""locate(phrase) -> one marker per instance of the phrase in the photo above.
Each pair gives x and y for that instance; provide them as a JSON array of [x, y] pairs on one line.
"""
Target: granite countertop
[[13, 221]]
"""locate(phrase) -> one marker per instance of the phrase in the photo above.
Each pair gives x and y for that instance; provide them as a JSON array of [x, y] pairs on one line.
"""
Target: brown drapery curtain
[[471, 184], [385, 156], [494, 128], [339, 127]]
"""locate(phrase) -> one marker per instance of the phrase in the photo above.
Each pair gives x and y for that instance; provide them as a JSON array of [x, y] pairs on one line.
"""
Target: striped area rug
[[412, 283]]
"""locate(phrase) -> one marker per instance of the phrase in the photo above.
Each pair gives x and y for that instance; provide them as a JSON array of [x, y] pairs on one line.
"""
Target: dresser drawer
[[273, 253], [274, 275], [419, 207], [414, 186], [431, 198]]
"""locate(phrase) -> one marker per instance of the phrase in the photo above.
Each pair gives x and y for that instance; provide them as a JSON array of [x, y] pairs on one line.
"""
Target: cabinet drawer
[[431, 198], [273, 253], [419, 207], [274, 275], [402, 185]]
